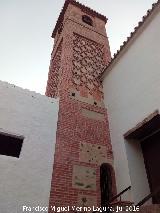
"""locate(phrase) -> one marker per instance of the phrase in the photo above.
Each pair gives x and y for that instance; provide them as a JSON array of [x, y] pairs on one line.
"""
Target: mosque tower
[[80, 53]]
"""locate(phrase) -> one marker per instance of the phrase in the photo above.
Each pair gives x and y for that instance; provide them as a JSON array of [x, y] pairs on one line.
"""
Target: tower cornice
[[79, 5]]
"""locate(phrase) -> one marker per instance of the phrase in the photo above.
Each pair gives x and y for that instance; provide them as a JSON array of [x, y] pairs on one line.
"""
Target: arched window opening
[[87, 20]]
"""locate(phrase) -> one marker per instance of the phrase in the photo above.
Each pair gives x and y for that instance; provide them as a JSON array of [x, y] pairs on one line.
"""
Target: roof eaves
[[124, 45]]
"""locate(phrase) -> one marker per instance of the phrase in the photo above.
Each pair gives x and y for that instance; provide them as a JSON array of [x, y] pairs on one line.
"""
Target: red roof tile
[[136, 29]]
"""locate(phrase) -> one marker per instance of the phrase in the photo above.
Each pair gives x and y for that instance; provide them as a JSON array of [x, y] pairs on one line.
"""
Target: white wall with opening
[[25, 177]]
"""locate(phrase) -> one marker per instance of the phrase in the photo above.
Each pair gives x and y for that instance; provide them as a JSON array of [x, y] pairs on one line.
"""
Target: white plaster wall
[[26, 180], [132, 92]]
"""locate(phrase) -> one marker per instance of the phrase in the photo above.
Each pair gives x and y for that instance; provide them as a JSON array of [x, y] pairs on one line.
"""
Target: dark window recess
[[73, 94], [10, 145], [87, 20]]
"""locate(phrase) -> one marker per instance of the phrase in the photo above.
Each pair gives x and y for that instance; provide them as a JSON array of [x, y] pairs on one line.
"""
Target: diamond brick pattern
[[88, 63]]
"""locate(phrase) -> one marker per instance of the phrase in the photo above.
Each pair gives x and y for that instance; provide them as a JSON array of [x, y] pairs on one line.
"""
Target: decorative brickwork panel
[[53, 76], [93, 115], [92, 153], [84, 178], [88, 63]]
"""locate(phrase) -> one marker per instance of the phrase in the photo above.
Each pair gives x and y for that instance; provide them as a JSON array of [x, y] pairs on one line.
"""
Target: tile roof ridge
[[140, 23]]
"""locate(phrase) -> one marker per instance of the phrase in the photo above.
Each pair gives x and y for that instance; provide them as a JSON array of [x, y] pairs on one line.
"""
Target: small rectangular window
[[87, 20], [10, 145]]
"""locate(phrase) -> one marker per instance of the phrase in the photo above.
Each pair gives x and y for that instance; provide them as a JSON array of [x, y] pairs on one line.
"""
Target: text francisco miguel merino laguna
[[80, 209]]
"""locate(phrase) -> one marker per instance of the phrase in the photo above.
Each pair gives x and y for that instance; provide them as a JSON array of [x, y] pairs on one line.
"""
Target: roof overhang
[[126, 44]]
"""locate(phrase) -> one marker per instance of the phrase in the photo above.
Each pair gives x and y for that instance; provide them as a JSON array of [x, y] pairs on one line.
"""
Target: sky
[[25, 34]]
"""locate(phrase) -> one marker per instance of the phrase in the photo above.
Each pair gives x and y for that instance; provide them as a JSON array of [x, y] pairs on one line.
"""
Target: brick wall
[[73, 129]]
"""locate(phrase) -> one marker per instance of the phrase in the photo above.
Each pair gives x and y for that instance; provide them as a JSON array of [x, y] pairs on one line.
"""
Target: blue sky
[[27, 25]]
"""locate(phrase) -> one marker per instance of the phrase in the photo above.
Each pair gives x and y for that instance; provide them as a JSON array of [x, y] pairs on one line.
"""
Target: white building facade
[[32, 119], [132, 95]]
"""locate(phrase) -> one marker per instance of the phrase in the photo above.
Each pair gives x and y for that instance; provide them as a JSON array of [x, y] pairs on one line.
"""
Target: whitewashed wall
[[25, 181], [132, 92]]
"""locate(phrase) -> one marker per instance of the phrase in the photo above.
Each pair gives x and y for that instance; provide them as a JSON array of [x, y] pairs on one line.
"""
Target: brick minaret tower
[[80, 53]]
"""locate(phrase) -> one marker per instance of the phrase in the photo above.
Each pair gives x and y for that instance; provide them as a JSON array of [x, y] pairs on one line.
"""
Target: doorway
[[143, 153], [151, 154], [106, 184]]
